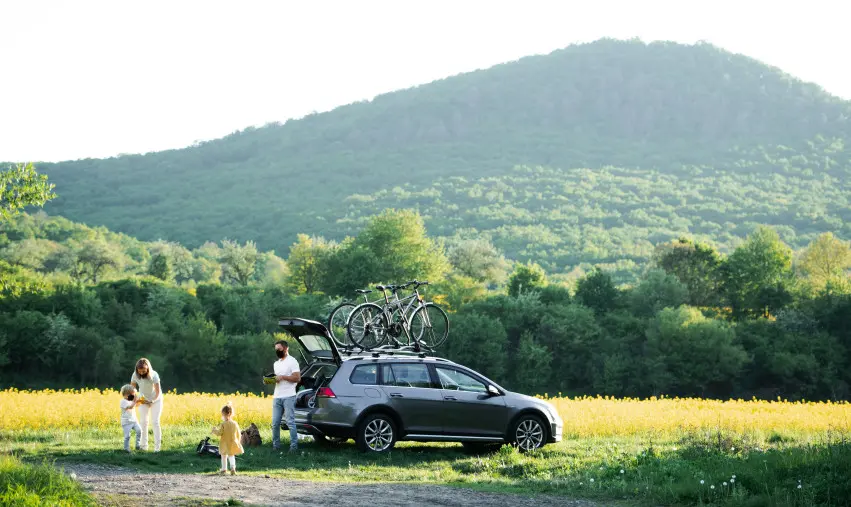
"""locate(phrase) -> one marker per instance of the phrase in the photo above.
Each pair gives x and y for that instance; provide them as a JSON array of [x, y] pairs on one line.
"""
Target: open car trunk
[[317, 353]]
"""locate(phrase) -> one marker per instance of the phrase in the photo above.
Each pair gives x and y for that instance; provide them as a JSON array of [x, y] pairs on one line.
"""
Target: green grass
[[25, 484], [767, 469]]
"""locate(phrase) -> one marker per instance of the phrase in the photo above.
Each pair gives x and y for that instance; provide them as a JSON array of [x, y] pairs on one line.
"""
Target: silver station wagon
[[381, 397]]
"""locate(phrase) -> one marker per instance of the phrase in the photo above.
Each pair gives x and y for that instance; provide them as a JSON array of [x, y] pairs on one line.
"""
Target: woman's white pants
[[155, 409]]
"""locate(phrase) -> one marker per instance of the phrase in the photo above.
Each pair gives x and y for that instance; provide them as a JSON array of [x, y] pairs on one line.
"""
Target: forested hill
[[696, 137]]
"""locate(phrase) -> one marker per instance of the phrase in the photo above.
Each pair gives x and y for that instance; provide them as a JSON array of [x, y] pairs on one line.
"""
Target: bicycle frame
[[390, 308]]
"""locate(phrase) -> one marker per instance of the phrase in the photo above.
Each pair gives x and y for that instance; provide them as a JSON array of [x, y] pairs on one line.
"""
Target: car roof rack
[[386, 350]]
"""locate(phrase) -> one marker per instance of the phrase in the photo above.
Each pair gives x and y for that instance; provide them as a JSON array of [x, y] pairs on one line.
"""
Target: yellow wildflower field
[[583, 417]]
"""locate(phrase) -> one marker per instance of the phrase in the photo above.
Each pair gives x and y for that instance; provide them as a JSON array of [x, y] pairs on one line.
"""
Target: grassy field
[[34, 485], [661, 451]]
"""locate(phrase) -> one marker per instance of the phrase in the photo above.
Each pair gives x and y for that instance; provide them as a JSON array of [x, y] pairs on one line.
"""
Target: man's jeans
[[128, 427], [279, 406]]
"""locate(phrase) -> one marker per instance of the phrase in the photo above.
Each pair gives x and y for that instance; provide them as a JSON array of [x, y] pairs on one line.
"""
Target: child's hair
[[126, 389], [228, 409]]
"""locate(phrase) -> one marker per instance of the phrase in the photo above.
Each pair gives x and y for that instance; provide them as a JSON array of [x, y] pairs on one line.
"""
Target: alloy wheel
[[378, 435], [529, 435]]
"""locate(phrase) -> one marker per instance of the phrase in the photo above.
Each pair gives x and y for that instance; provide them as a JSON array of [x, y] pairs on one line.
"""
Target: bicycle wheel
[[429, 326], [337, 321], [367, 326]]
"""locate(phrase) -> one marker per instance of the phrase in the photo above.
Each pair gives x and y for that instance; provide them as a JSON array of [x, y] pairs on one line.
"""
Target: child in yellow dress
[[229, 444]]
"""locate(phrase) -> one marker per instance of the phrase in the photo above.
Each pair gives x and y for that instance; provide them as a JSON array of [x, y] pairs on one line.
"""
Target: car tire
[[376, 433], [528, 433]]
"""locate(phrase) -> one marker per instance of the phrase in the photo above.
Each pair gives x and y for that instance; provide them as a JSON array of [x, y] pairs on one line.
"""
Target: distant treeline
[[78, 306]]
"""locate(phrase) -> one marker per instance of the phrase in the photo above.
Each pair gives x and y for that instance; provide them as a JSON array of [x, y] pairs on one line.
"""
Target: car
[[381, 397]]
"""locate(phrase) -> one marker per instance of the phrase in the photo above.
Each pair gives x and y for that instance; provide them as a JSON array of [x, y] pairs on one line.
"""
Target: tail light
[[325, 392]]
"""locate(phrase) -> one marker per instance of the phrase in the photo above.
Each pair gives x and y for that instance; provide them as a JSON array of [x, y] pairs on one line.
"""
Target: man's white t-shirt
[[286, 366], [127, 416]]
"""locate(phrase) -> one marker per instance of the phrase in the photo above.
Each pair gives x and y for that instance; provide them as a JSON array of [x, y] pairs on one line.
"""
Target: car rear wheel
[[377, 433], [529, 433]]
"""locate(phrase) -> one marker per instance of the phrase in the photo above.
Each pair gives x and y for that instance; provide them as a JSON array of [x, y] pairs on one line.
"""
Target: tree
[[532, 357], [161, 267], [347, 268], [31, 253], [480, 342], [526, 277], [180, 260], [827, 258], [271, 271], [306, 263], [22, 186], [688, 353], [757, 274], [598, 292], [656, 291], [478, 259], [90, 260], [400, 249], [238, 261], [695, 265]]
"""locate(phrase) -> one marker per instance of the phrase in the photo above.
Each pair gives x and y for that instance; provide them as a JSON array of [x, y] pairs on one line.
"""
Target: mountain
[[587, 155]]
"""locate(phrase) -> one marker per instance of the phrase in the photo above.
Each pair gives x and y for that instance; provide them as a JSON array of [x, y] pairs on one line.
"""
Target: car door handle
[[396, 395], [450, 398]]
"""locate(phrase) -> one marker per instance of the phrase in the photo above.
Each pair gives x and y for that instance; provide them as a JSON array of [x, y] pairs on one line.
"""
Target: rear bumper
[[305, 425]]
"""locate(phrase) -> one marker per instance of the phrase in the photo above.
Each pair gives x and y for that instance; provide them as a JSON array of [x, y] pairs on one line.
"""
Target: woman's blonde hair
[[228, 409], [146, 364], [126, 389]]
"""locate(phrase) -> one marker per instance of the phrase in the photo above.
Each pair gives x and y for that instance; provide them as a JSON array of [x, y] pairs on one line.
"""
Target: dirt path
[[125, 487]]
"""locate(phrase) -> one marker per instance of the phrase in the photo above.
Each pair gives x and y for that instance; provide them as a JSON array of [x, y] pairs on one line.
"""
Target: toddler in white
[[128, 415]]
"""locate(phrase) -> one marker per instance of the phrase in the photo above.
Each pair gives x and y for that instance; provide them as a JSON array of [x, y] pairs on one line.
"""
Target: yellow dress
[[229, 443]]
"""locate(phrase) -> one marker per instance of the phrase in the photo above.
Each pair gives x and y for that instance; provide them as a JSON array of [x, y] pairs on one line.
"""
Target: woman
[[147, 382]]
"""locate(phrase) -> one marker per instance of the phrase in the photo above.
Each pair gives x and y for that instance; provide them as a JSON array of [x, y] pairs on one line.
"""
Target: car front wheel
[[529, 433], [377, 433]]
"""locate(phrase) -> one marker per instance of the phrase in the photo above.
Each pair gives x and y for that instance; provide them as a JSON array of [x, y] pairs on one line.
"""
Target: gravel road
[[126, 487]]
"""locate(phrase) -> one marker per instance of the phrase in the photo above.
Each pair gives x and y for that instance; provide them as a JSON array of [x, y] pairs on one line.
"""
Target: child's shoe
[[233, 472]]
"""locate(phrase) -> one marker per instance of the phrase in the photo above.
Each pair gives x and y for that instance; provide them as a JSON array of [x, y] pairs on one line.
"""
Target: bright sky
[[97, 78]]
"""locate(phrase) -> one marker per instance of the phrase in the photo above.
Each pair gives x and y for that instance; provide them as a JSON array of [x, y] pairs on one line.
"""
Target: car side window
[[406, 375], [365, 374], [454, 380]]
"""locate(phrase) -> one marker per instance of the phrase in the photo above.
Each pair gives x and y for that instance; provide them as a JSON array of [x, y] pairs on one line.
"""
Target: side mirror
[[493, 391]]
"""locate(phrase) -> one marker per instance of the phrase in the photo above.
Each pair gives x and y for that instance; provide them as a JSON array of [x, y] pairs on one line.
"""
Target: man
[[287, 376]]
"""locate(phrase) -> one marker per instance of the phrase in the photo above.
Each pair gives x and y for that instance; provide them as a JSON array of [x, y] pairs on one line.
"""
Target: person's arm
[[293, 377], [133, 381], [217, 430]]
